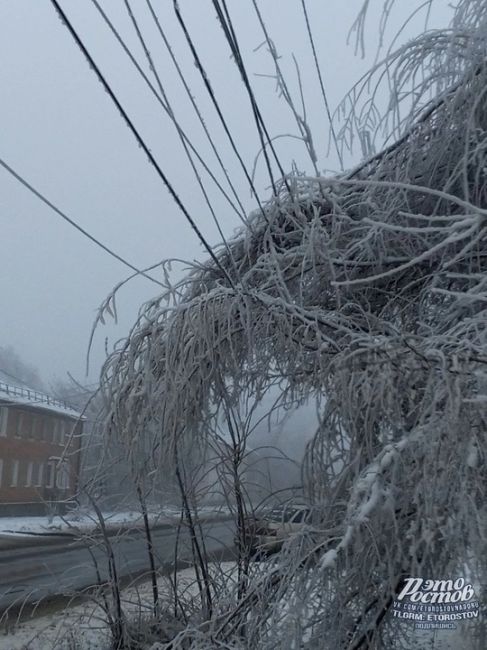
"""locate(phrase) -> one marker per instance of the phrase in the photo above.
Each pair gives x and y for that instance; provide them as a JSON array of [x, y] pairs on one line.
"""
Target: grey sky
[[60, 130]]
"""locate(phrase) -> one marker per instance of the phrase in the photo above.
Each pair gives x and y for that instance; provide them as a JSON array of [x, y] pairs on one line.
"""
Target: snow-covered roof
[[16, 392]]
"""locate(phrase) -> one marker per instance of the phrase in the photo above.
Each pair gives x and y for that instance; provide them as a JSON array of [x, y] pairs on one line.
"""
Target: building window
[[20, 424], [28, 478], [40, 475], [55, 432], [3, 420], [15, 473], [28, 426], [60, 428], [47, 432], [51, 471], [62, 479], [36, 427], [1, 471]]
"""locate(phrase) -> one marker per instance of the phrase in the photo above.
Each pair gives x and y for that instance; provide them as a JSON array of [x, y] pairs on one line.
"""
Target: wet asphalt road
[[29, 574]]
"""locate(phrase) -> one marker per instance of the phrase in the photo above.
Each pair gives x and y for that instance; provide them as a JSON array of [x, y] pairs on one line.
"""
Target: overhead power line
[[209, 89], [165, 98], [322, 85], [73, 223], [240, 212], [231, 37], [140, 140], [192, 99]]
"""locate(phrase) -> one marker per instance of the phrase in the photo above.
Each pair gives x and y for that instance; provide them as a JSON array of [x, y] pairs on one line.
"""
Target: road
[[29, 574]]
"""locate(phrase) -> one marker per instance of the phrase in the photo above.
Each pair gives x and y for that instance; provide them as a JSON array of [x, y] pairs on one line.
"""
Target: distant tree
[[81, 397], [18, 370]]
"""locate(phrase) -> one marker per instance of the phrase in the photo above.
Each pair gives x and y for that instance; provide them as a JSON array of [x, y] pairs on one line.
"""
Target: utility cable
[[230, 35], [166, 109], [164, 96], [209, 89], [140, 140], [322, 85], [300, 121], [194, 104], [73, 223]]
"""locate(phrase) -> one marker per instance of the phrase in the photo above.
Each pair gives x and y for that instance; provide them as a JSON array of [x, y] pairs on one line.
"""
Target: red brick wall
[[34, 436]]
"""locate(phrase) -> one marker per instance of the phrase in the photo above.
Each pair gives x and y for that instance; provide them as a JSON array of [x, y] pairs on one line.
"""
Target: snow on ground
[[84, 626], [82, 521], [74, 522]]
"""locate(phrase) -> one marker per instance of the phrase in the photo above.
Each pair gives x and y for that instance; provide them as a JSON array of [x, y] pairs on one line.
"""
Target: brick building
[[40, 440]]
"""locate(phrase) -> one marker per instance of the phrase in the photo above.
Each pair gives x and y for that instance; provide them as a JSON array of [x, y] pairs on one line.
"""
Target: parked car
[[266, 531]]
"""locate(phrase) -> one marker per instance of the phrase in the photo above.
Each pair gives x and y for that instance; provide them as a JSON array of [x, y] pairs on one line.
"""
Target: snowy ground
[[84, 627], [83, 521]]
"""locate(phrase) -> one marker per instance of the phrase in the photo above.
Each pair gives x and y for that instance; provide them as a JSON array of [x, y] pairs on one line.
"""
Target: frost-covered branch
[[365, 291]]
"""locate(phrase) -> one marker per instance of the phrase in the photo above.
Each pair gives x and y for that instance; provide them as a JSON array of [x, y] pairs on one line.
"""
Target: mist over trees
[[19, 370]]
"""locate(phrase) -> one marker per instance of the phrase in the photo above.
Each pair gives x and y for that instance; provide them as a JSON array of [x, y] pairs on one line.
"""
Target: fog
[[62, 133]]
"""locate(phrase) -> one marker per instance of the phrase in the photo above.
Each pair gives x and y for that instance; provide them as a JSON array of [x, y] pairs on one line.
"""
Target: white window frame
[[3, 420], [51, 473], [62, 479], [15, 474], [40, 475], [30, 471]]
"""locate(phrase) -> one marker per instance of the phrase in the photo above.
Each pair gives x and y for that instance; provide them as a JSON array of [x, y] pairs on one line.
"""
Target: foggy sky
[[61, 131]]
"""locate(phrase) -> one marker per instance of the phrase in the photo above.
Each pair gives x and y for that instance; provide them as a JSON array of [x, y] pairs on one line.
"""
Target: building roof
[[15, 392]]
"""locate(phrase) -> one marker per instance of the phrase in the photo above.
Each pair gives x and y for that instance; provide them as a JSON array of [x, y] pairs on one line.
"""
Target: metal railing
[[32, 395]]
